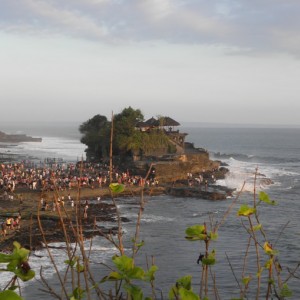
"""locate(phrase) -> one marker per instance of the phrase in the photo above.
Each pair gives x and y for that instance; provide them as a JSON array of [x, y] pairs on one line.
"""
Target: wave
[[156, 219], [255, 158]]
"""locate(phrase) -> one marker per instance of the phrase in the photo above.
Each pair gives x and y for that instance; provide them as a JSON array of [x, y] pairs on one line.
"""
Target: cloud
[[270, 25], [50, 17]]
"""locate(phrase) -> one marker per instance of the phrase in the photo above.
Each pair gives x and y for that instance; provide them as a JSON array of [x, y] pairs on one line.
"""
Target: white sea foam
[[50, 147], [242, 175], [155, 219]]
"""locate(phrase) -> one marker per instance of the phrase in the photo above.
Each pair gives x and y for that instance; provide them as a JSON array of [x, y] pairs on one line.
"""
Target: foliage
[[16, 263], [128, 272], [96, 136], [126, 138], [183, 290], [116, 187]]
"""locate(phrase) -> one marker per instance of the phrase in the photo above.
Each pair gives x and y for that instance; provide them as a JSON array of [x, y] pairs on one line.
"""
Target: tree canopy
[[126, 138]]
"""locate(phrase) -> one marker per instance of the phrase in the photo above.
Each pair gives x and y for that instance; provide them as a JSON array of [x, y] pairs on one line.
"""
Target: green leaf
[[257, 227], [116, 187], [213, 236], [141, 244], [196, 233], [269, 250], [185, 282], [113, 276], [285, 291], [9, 295], [210, 259], [246, 211], [5, 258], [24, 275], [78, 293], [188, 294], [123, 263], [79, 268], [136, 273], [265, 198], [173, 292], [246, 280], [150, 274], [269, 263], [271, 281], [70, 263], [134, 291], [258, 274]]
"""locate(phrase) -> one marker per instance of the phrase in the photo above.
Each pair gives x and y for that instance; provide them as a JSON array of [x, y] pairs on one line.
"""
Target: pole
[[110, 150]]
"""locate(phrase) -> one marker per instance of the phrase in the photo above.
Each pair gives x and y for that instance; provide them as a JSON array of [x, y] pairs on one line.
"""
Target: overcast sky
[[230, 61]]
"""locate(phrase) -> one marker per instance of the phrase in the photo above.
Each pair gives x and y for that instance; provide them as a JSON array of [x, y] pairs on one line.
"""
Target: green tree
[[126, 137], [96, 136]]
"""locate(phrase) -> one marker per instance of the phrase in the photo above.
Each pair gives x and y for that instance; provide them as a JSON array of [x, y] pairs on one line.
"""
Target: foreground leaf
[[196, 233], [9, 295], [246, 211], [188, 294], [210, 259], [116, 187], [285, 291], [265, 198]]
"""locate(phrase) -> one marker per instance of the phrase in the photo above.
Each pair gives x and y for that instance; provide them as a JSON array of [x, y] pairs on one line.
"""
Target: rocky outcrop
[[196, 192], [180, 166], [17, 138]]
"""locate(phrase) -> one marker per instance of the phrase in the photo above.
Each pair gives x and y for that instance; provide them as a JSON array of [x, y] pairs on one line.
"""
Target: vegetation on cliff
[[127, 140]]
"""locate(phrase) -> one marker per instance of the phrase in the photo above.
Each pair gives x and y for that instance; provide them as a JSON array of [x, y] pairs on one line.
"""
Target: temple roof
[[152, 122], [167, 121]]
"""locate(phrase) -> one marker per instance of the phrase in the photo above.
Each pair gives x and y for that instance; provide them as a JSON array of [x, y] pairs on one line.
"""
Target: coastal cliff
[[180, 166], [17, 138]]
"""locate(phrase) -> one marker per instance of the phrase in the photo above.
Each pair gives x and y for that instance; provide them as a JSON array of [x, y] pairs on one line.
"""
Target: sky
[[226, 61]]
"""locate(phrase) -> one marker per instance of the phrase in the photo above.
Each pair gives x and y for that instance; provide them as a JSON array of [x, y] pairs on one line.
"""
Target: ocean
[[273, 152]]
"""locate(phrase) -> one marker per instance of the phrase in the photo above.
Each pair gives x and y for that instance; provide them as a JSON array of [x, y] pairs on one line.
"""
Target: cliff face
[[188, 163]]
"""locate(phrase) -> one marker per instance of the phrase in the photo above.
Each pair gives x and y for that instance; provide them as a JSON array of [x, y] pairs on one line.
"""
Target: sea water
[[273, 152]]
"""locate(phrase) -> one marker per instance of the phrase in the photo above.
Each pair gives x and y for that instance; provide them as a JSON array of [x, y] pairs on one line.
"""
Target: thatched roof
[[167, 121], [140, 124], [152, 122], [163, 121]]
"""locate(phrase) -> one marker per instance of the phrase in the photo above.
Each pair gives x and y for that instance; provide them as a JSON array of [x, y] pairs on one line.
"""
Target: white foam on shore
[[98, 251], [50, 147]]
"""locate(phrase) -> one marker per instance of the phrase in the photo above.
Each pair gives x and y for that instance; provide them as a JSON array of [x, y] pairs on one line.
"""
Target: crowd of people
[[18, 177], [62, 176], [10, 224]]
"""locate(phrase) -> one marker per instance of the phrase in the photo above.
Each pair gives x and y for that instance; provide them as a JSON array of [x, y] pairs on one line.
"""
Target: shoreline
[[27, 203]]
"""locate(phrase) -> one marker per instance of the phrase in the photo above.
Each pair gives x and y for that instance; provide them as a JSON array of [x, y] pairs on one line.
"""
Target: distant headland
[[17, 138]]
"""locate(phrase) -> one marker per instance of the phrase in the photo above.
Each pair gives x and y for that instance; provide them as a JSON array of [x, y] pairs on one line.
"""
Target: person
[[8, 223], [4, 229], [206, 184], [85, 211], [16, 222]]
